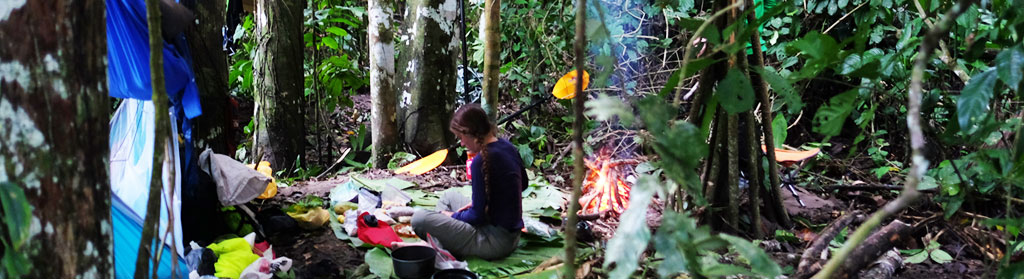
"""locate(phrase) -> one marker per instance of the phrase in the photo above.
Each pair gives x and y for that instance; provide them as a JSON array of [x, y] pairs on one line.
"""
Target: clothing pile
[[236, 257]]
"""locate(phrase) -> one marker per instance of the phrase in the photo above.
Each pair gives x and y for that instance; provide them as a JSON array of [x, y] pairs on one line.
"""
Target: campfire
[[605, 189]]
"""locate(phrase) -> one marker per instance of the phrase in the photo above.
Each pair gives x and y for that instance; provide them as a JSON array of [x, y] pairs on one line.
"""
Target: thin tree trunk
[[492, 56], [382, 76], [213, 128], [733, 155], [579, 170], [760, 88], [53, 76], [156, 69], [277, 71], [753, 168]]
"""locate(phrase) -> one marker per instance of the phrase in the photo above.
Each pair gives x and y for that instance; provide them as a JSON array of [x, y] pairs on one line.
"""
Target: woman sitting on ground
[[487, 225]]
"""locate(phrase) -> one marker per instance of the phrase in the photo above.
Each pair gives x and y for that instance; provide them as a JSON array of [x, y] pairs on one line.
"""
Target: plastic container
[[413, 262]]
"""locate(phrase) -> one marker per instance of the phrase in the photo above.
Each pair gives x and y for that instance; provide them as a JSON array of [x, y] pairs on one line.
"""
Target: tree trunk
[[213, 128], [383, 116], [492, 56], [54, 111], [162, 131], [278, 79], [428, 74]]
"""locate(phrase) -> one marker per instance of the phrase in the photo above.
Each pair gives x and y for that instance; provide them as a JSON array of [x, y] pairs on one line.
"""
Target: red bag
[[382, 234]]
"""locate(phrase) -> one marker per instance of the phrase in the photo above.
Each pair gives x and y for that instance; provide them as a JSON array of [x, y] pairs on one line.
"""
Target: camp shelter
[[132, 135]]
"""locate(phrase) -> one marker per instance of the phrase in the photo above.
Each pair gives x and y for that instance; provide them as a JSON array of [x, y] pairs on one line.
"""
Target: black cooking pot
[[413, 262], [454, 273]]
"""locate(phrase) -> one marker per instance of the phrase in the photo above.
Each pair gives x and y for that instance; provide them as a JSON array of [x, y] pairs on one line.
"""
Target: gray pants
[[460, 238]]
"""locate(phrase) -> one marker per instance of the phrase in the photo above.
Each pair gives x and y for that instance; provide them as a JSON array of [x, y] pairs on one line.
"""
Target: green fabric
[[234, 255]]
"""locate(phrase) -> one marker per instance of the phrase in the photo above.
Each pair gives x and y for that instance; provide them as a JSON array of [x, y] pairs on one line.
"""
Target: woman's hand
[[465, 207]]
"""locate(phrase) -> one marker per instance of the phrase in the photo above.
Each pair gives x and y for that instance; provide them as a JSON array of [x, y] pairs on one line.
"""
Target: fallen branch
[[810, 261], [876, 245], [918, 162], [342, 158], [869, 187], [885, 266]]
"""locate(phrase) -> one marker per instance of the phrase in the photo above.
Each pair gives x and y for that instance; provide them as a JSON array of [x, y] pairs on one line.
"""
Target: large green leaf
[[782, 88], [1010, 66], [337, 31], [17, 214], [735, 93], [379, 262], [605, 108], [631, 237], [531, 253], [330, 42], [679, 240], [822, 50], [974, 99], [779, 130], [830, 118], [760, 263]]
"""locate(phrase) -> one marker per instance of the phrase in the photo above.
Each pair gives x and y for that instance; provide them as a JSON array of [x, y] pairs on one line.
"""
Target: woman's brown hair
[[472, 120]]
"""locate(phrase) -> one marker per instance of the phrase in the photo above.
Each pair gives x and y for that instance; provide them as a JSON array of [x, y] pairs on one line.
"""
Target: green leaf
[[17, 214], [604, 108], [760, 263], [975, 97], [676, 240], [531, 253], [779, 129], [670, 85], [337, 31], [918, 258], [631, 237], [379, 262], [782, 88], [941, 257], [330, 42], [1010, 66], [735, 93], [928, 183], [821, 49], [830, 118]]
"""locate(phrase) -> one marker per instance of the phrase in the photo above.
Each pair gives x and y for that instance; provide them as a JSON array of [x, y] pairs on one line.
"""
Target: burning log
[[605, 188]]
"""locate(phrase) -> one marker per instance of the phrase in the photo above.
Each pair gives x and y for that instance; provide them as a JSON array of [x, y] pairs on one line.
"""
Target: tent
[[132, 138]]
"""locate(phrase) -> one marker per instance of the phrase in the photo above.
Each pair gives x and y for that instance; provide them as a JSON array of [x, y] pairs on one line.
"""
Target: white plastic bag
[[266, 266]]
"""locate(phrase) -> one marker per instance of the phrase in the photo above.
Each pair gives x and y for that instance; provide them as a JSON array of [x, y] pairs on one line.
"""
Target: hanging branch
[[579, 170], [920, 164], [156, 78]]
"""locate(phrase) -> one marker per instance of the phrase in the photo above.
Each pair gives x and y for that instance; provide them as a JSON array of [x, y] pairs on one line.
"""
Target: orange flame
[[604, 189]]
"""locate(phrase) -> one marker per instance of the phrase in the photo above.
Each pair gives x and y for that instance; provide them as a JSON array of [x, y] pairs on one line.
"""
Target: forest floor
[[972, 246]]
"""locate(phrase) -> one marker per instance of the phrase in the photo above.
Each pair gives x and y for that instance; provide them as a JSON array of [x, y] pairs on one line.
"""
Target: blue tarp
[[132, 132], [127, 233], [128, 59]]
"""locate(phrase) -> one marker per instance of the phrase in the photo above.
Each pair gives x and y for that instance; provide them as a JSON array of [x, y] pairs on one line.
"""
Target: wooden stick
[[885, 267], [877, 244], [811, 260]]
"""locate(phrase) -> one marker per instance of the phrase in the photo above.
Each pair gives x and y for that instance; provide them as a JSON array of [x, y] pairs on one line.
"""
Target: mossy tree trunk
[[383, 117], [54, 111], [278, 79], [427, 79], [213, 129]]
